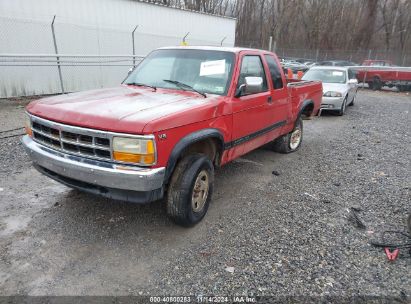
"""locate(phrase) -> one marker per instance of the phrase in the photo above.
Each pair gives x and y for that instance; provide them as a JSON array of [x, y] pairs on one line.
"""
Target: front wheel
[[190, 190], [290, 142], [353, 100], [341, 112]]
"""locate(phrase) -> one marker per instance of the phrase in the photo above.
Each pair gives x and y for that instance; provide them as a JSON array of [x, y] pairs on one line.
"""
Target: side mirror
[[130, 70], [353, 81], [252, 85]]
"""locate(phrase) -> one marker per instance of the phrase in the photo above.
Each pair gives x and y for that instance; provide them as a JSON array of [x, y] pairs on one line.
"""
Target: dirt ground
[[287, 233]]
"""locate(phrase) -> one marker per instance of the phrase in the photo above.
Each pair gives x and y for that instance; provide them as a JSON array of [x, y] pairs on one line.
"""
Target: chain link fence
[[398, 57], [38, 58]]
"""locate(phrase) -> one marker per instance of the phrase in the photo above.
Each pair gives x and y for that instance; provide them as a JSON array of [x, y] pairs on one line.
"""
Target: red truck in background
[[179, 114], [379, 73], [375, 62]]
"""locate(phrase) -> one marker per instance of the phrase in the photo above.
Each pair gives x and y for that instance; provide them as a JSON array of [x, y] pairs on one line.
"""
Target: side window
[[275, 72], [252, 66]]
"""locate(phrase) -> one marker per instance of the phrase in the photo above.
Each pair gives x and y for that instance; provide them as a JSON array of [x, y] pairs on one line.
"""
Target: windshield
[[326, 75], [204, 71]]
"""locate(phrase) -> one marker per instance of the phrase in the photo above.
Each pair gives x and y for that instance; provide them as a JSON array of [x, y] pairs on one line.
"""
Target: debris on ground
[[353, 217], [310, 195], [397, 241]]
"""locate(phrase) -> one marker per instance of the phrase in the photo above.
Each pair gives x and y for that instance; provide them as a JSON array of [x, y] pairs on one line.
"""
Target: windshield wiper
[[183, 85], [143, 85]]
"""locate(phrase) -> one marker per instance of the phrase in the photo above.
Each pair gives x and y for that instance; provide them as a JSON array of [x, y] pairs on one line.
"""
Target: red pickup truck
[[379, 73], [179, 114]]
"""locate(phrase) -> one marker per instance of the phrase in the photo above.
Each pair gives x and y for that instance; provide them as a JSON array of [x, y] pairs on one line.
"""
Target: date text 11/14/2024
[[203, 299]]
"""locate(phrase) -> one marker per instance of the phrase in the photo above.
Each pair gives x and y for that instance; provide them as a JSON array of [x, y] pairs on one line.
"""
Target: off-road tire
[[180, 191], [283, 143]]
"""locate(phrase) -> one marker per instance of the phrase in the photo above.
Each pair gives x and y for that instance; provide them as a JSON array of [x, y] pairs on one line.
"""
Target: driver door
[[251, 112]]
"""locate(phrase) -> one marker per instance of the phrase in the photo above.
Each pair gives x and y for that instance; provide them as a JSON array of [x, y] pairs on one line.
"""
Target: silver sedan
[[339, 87]]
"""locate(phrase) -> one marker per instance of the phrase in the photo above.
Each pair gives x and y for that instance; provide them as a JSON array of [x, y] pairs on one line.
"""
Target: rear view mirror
[[252, 85], [353, 81]]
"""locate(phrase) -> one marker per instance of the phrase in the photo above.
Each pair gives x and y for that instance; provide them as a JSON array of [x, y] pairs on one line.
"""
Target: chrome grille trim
[[54, 137], [101, 141]]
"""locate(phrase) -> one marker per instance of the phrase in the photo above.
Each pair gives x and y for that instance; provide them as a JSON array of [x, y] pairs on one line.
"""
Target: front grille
[[79, 142]]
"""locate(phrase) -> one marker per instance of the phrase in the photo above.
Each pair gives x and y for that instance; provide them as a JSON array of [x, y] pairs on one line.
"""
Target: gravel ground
[[287, 233]]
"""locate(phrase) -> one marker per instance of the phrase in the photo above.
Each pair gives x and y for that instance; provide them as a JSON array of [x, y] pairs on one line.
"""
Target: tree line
[[314, 24]]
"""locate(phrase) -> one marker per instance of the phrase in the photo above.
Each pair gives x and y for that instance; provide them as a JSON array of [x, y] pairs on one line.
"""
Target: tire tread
[[179, 190]]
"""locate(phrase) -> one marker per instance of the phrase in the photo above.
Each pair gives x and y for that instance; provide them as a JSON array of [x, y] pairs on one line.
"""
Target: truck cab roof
[[212, 48]]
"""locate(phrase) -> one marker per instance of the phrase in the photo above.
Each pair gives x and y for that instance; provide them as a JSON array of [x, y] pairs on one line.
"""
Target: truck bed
[[385, 74], [301, 90]]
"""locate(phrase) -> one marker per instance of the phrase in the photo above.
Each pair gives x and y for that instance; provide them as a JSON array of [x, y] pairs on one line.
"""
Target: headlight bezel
[[119, 150], [333, 94]]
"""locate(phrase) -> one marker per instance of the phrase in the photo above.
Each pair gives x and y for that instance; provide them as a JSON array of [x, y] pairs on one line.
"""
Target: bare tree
[[314, 24]]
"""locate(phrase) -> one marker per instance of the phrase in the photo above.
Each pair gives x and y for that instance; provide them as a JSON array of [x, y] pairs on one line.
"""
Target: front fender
[[187, 141]]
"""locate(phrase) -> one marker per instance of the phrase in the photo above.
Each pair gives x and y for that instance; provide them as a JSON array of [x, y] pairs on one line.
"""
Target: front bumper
[[332, 103], [129, 183]]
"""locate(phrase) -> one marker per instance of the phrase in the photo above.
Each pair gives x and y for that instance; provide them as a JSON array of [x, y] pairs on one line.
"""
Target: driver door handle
[[270, 99]]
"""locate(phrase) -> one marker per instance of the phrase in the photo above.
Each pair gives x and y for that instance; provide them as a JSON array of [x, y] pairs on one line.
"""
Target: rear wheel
[[290, 142], [190, 190]]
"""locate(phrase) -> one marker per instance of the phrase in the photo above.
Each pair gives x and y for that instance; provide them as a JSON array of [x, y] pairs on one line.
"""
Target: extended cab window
[[252, 66], [275, 72]]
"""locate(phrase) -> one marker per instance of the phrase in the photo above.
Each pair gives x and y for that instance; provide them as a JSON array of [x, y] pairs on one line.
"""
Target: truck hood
[[125, 109]]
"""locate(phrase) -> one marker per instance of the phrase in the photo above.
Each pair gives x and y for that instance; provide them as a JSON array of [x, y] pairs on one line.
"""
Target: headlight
[[134, 150], [27, 126], [332, 94]]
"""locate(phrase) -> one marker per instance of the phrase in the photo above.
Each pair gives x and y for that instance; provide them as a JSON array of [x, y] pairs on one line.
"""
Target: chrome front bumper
[[331, 103], [64, 167]]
